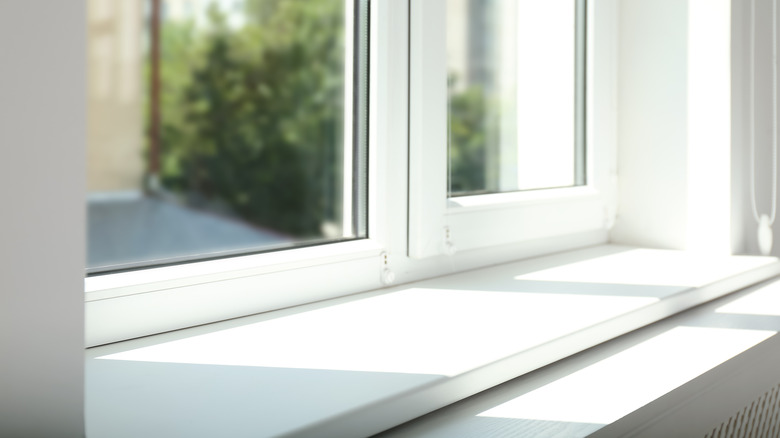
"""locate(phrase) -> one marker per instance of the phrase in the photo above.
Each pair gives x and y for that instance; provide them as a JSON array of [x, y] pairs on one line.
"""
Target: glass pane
[[516, 95], [219, 127]]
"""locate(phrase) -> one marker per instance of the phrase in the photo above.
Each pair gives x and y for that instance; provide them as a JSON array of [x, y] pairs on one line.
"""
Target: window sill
[[683, 376], [358, 365]]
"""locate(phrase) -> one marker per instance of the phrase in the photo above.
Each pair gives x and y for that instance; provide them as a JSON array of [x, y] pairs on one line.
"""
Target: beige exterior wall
[[115, 127], [457, 41]]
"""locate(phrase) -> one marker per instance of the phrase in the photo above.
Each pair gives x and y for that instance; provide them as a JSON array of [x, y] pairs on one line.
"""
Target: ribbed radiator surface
[[759, 419]]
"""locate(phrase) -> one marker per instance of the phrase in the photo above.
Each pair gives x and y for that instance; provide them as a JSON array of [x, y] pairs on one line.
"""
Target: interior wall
[[42, 137], [652, 124], [740, 213], [675, 128], [763, 117]]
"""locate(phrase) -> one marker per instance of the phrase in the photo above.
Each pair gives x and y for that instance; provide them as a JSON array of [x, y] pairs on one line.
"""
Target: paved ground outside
[[130, 228]]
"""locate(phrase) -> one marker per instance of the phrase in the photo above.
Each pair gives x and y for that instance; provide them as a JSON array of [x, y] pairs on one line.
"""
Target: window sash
[[440, 225], [348, 158], [137, 303], [133, 304]]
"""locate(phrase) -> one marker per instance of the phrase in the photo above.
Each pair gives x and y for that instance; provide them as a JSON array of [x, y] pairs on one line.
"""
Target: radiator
[[740, 398], [759, 419]]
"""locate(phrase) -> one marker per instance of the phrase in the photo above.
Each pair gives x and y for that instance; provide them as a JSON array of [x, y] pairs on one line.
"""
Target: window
[[515, 159], [224, 127], [414, 225], [516, 76]]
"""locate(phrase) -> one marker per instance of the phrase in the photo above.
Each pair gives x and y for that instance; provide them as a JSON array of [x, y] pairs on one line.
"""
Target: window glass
[[516, 95], [221, 127]]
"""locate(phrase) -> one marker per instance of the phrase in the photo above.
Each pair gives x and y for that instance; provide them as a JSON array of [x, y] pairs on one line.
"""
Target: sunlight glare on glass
[[614, 387], [512, 102], [545, 133]]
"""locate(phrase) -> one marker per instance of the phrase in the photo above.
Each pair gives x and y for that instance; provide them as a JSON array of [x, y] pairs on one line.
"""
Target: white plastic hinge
[[449, 247], [388, 276]]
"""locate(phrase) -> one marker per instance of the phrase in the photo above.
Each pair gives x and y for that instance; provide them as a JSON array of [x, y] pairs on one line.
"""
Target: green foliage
[[469, 127], [252, 116]]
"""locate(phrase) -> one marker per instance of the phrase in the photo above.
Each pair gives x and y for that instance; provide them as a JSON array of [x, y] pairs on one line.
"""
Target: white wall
[[674, 125], [42, 137], [740, 213], [652, 134], [763, 122]]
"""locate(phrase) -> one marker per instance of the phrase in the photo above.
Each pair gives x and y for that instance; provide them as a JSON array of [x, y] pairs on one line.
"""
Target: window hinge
[[388, 276], [449, 247]]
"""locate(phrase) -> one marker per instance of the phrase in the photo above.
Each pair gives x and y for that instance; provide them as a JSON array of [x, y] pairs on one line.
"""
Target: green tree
[[253, 115], [468, 128]]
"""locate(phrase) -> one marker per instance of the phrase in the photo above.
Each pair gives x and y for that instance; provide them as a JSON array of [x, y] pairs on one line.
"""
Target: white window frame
[[138, 303], [438, 225], [144, 302]]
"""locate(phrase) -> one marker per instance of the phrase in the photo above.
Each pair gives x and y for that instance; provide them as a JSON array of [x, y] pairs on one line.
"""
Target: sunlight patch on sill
[[647, 267], [765, 301], [610, 389], [415, 330]]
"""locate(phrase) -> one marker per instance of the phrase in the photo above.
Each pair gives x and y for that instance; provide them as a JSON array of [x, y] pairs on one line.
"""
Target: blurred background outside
[[226, 126], [217, 126], [516, 95]]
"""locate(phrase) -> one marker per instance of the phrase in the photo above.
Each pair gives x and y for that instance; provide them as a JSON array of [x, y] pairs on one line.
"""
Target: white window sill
[[683, 376], [359, 365]]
